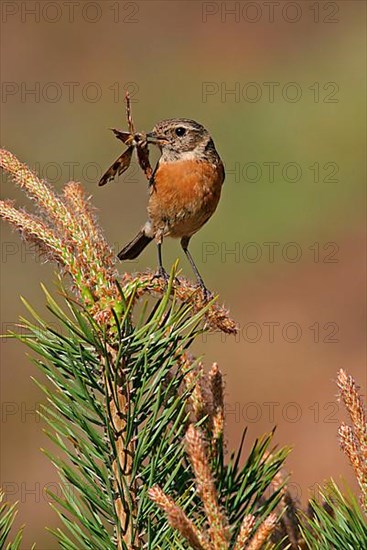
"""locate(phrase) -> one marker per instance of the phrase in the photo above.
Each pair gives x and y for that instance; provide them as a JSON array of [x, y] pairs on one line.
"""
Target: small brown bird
[[185, 189]]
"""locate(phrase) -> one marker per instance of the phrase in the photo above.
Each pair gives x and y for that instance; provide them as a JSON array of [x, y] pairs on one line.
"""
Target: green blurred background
[[296, 71]]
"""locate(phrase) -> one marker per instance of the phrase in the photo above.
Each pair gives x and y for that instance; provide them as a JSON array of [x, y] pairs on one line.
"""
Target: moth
[[133, 140]]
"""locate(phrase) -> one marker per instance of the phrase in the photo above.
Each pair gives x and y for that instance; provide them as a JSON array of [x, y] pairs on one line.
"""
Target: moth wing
[[120, 166]]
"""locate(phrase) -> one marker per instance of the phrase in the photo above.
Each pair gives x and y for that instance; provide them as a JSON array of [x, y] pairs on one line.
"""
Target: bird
[[184, 189]]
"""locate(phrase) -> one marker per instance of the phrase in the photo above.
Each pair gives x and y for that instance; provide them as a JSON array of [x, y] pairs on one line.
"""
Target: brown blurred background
[[281, 87]]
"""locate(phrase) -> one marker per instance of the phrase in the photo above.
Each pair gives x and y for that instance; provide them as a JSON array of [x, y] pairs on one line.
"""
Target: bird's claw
[[207, 295], [161, 274]]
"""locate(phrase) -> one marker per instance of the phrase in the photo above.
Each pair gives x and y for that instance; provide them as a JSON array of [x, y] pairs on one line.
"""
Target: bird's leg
[[161, 271], [185, 243]]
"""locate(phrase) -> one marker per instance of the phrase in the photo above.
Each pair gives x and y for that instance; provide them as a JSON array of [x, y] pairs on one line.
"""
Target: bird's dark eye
[[180, 131]]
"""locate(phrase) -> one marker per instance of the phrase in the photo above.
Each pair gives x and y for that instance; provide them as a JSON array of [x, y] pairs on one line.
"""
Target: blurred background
[[281, 87]]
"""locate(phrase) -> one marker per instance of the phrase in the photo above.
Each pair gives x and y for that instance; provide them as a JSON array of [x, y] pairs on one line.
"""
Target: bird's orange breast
[[184, 195]]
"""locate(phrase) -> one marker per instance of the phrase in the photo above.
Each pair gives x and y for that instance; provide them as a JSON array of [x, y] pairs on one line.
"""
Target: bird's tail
[[135, 247]]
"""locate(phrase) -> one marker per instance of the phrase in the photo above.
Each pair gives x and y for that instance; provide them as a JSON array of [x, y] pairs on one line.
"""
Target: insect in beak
[[133, 140]]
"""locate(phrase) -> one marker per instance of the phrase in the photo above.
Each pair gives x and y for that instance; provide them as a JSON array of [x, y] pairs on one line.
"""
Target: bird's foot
[[207, 295], [161, 274]]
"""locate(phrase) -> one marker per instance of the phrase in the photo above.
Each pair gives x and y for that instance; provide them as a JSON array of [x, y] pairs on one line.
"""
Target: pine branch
[[138, 424], [335, 521], [7, 518], [123, 392], [353, 439]]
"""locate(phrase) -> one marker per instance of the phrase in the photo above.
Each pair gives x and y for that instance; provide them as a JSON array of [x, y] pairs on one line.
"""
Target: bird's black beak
[[153, 137]]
